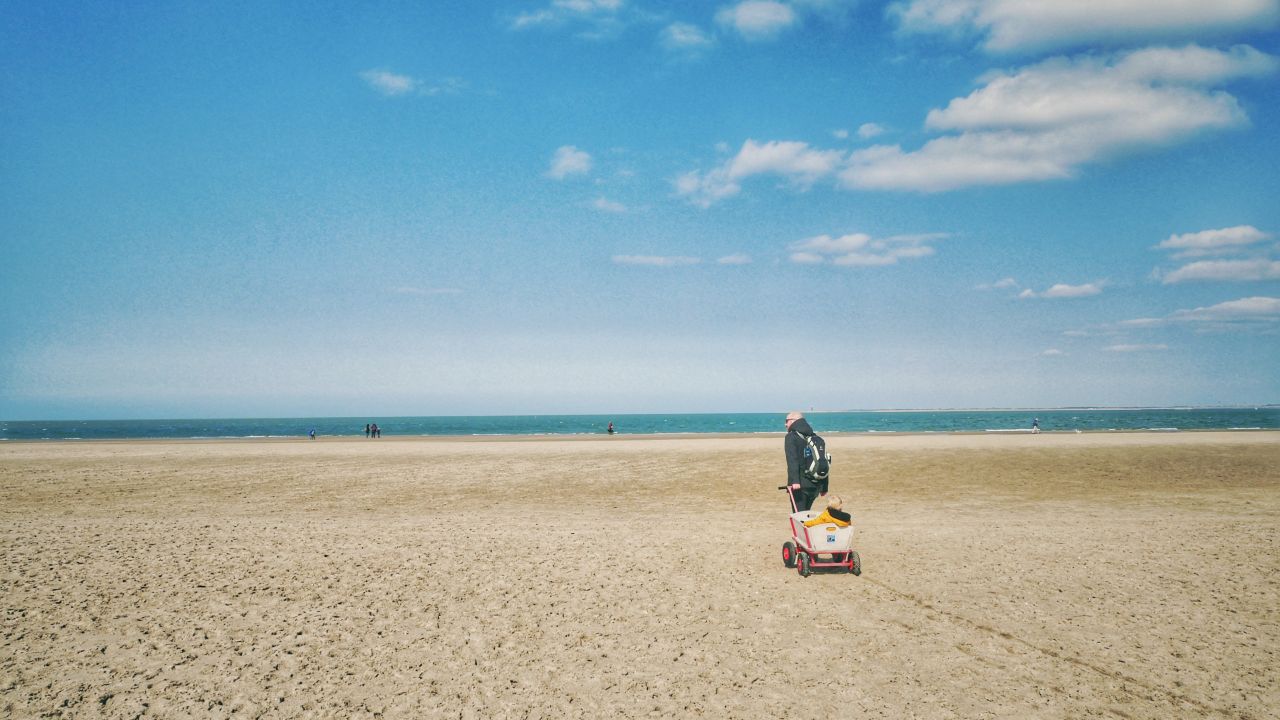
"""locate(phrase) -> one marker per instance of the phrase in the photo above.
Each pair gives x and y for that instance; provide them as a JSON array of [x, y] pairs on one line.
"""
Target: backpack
[[816, 463]]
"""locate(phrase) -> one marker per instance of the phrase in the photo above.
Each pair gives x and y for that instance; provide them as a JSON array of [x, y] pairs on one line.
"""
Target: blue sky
[[249, 209]]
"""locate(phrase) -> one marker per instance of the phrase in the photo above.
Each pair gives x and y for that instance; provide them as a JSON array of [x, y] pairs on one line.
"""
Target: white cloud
[[393, 85], [827, 245], [1243, 315], [447, 86], [1002, 284], [840, 134], [601, 13], [1239, 239], [1044, 121], [1225, 270], [1023, 24], [1136, 347], [569, 160], [1062, 290], [953, 162], [609, 206], [1213, 242], [587, 6], [1052, 352], [1244, 309], [864, 260], [389, 83], [685, 37], [1196, 65], [533, 18], [862, 250], [796, 161], [705, 189], [867, 131], [757, 19], [656, 260], [1065, 93], [735, 259], [1143, 323]]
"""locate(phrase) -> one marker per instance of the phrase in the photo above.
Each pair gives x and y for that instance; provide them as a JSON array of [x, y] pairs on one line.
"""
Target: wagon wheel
[[802, 564], [789, 554], [855, 561]]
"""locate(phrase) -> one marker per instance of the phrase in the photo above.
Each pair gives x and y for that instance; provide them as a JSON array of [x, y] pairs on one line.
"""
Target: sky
[[252, 209]]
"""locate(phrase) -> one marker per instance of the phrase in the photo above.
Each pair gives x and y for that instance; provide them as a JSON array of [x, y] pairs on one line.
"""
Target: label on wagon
[[831, 539]]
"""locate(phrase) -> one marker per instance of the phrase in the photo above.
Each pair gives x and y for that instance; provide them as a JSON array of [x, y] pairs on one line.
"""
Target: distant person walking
[[1035, 426], [313, 433], [610, 427], [368, 430], [377, 431], [805, 488]]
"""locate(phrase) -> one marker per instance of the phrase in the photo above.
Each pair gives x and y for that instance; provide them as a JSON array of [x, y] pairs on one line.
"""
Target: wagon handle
[[790, 494]]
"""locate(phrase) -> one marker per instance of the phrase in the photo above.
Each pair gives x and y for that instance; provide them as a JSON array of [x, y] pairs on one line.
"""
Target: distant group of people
[[371, 430]]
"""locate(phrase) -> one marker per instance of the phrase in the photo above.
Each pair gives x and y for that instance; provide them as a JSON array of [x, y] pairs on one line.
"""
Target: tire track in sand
[[959, 619]]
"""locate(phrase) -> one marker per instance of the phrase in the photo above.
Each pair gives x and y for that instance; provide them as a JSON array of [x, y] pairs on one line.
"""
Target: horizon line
[[1103, 408]]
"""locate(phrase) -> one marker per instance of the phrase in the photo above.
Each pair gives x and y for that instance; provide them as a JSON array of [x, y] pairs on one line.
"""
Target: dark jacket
[[795, 443]]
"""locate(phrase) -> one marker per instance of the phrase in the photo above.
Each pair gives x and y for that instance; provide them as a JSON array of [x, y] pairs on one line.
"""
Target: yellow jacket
[[839, 519]]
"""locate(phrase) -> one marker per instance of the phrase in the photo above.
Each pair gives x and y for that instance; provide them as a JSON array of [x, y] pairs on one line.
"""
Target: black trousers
[[805, 497]]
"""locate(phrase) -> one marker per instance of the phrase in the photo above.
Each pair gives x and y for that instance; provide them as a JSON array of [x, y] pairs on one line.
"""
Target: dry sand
[[1132, 576]]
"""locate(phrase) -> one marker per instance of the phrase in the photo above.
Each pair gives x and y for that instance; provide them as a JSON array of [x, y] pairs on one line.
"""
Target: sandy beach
[[1132, 575]]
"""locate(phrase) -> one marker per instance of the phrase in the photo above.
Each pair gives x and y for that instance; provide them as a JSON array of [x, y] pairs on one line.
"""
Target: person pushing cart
[[807, 462], [819, 541]]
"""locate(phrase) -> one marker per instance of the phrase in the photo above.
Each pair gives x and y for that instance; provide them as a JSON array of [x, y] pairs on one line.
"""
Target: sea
[[865, 421]]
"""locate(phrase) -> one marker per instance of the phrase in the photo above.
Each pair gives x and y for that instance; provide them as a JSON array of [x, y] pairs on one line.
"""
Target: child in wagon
[[833, 514]]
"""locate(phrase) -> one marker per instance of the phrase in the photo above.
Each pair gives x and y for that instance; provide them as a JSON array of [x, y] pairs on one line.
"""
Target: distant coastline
[[1029, 409], [1065, 408], [987, 420]]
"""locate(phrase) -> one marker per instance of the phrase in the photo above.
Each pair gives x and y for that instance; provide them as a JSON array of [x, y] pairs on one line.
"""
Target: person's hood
[[840, 515], [802, 426]]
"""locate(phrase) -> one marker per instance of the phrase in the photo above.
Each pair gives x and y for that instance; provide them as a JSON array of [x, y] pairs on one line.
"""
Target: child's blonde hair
[[834, 501]]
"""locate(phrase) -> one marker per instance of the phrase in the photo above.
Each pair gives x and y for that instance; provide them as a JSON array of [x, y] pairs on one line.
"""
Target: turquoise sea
[[907, 421]]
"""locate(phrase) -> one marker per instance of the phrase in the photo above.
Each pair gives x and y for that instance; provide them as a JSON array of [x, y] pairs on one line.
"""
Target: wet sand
[[1132, 575]]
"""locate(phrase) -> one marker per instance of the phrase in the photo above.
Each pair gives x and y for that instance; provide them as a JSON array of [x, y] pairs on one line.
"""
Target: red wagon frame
[[796, 553]]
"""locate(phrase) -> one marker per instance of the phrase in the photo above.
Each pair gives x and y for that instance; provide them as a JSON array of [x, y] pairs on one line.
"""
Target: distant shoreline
[[1075, 408], [360, 418], [1008, 422], [1046, 437]]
